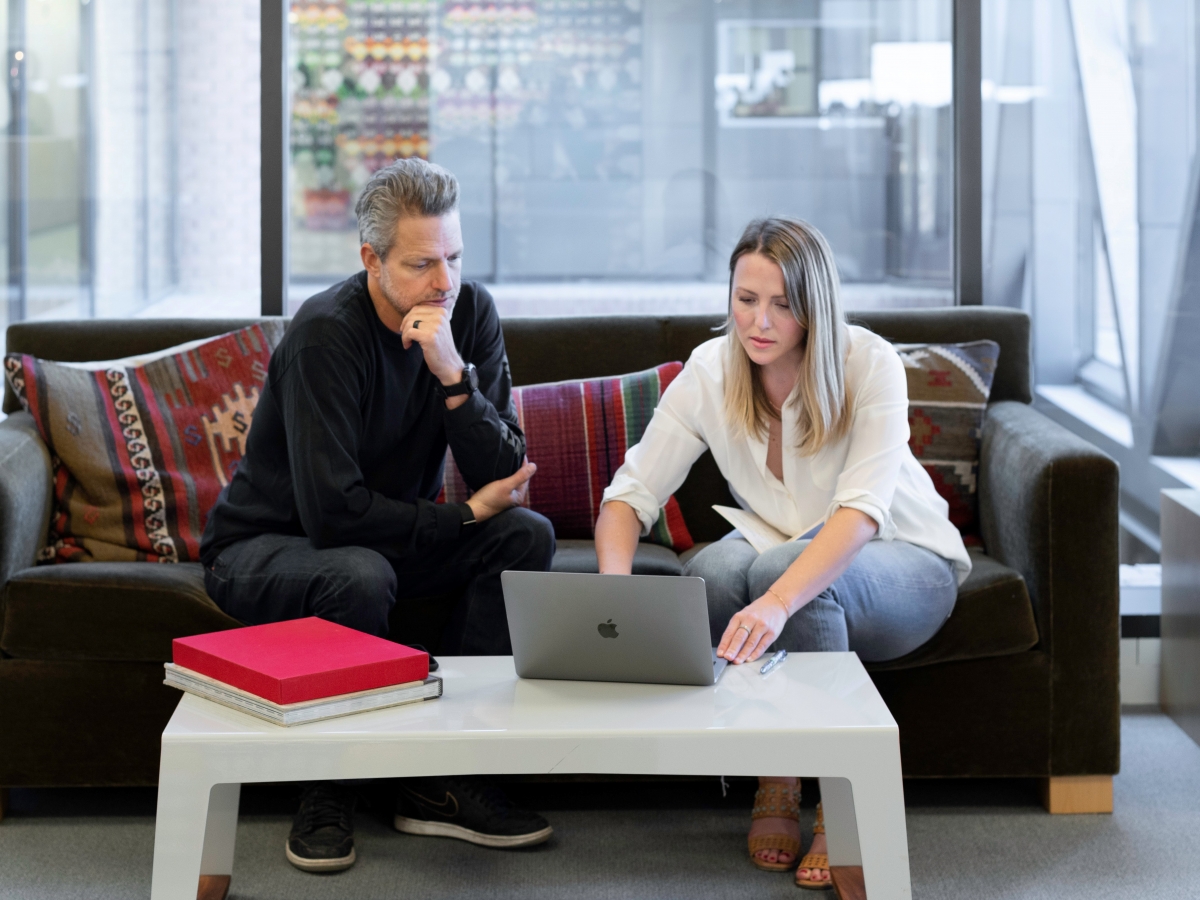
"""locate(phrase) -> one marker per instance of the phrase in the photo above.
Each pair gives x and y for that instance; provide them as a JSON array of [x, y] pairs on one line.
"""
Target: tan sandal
[[813, 861], [775, 800]]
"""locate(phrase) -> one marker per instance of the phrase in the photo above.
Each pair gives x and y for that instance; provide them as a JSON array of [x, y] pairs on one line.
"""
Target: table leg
[[841, 827], [194, 835], [878, 802], [221, 832]]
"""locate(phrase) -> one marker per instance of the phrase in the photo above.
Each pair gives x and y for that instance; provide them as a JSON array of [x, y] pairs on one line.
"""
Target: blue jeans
[[893, 598], [273, 577]]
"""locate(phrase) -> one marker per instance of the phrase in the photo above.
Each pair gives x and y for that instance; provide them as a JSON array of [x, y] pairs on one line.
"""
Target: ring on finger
[[748, 632]]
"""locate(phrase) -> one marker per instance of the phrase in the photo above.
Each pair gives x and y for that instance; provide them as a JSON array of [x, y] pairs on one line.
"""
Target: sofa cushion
[[106, 611], [142, 446], [649, 559], [948, 390], [577, 432], [993, 617]]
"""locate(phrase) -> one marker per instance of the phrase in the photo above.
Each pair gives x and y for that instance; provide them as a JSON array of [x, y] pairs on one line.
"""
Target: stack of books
[[303, 670]]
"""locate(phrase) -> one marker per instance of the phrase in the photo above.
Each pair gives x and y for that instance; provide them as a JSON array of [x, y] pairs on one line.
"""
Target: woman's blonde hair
[[811, 283]]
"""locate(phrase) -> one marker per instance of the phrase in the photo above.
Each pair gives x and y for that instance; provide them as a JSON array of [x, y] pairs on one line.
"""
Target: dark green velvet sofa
[[1020, 682]]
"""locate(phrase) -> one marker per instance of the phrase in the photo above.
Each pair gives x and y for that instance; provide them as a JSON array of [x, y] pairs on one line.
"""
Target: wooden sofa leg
[[213, 887], [1067, 794]]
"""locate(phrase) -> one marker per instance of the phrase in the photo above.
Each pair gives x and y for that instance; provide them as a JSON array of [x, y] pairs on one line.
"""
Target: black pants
[[273, 577]]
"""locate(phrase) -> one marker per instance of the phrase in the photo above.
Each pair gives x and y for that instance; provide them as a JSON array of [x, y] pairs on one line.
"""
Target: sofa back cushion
[[577, 432], [142, 446], [561, 349]]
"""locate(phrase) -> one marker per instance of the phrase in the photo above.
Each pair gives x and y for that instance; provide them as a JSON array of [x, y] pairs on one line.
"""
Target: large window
[[610, 151], [1090, 170], [132, 158], [627, 142]]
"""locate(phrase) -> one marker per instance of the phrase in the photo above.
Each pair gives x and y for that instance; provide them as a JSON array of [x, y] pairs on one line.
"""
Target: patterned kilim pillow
[[948, 389], [577, 432], [141, 447]]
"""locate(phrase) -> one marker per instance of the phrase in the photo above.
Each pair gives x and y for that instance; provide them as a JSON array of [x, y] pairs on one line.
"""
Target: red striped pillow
[[577, 432]]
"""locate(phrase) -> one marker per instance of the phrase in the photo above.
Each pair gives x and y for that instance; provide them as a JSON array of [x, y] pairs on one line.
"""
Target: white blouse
[[870, 469]]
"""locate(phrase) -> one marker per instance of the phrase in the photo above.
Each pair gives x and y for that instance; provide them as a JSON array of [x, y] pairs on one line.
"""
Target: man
[[331, 512]]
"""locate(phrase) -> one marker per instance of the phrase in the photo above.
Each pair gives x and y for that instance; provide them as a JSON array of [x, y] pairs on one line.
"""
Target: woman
[[807, 419]]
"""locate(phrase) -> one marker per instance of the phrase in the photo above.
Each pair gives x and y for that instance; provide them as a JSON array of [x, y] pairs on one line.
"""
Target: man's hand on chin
[[428, 324]]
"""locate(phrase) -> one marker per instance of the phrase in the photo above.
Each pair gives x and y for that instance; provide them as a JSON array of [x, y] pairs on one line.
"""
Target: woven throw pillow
[[577, 432], [948, 389], [142, 446]]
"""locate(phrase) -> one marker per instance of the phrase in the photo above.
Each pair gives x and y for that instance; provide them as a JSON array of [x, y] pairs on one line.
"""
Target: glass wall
[[1090, 167], [611, 151], [131, 158]]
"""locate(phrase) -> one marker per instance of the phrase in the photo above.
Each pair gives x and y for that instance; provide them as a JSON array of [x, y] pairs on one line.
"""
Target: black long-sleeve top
[[349, 436]]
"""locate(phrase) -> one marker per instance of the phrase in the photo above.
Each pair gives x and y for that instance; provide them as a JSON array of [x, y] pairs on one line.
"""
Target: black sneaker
[[322, 838], [465, 809]]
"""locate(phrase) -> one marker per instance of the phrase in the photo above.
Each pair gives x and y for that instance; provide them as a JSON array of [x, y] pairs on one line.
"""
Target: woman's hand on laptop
[[502, 494], [752, 630]]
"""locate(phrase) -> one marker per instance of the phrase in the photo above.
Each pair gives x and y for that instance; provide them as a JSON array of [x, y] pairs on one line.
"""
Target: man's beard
[[395, 302]]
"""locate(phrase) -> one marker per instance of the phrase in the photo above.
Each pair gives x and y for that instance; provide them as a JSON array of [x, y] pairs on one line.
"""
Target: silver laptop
[[651, 629]]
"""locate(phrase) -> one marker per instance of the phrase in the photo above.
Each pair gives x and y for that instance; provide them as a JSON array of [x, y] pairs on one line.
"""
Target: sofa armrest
[[1048, 506], [26, 494]]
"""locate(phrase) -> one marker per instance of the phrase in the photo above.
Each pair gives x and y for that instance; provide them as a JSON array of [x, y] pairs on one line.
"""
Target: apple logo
[[607, 629]]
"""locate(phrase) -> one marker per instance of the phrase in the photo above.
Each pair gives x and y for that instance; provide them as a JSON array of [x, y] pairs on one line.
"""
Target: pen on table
[[773, 662]]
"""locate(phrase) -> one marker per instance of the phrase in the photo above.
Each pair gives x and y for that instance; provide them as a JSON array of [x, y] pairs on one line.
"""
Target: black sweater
[[349, 436]]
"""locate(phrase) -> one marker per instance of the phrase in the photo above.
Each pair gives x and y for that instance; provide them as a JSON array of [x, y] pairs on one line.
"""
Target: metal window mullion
[[274, 158], [968, 155], [18, 165], [172, 45], [87, 160], [142, 153]]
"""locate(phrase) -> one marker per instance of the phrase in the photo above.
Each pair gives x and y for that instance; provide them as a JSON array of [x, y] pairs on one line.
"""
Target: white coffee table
[[818, 715]]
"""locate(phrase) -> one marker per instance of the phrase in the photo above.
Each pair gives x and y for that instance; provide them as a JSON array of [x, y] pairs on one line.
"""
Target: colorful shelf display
[[360, 99], [377, 81]]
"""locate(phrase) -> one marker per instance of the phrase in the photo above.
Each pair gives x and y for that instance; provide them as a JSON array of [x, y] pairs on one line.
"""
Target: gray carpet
[[975, 839]]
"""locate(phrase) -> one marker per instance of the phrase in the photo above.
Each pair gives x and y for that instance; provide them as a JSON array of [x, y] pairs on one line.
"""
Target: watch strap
[[468, 385]]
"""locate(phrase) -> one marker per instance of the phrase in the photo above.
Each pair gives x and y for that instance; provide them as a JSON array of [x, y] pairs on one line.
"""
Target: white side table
[[816, 715]]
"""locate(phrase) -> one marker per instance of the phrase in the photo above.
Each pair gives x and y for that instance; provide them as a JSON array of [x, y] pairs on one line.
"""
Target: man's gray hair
[[407, 187]]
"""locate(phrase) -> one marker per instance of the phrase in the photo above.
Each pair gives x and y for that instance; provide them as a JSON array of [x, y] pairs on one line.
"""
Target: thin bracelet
[[787, 610]]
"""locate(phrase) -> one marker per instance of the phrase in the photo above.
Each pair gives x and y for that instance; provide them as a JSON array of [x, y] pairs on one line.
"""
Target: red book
[[303, 659]]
